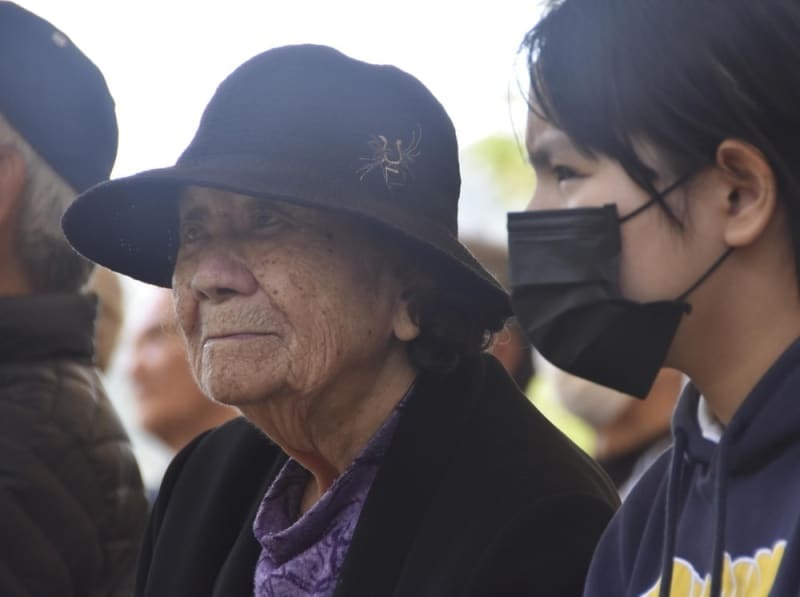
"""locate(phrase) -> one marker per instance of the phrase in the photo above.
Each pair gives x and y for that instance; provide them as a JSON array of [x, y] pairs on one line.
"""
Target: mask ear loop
[[687, 308], [682, 298], [657, 197]]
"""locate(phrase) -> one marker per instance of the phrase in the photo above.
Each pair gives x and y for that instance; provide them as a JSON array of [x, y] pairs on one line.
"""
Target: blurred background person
[[629, 433], [169, 403], [509, 345], [106, 285], [512, 349], [71, 498]]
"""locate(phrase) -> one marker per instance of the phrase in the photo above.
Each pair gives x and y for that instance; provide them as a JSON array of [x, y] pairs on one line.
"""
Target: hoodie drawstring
[[673, 491], [718, 554]]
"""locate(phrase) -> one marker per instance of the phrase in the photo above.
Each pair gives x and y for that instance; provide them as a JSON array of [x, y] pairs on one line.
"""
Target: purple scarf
[[303, 556]]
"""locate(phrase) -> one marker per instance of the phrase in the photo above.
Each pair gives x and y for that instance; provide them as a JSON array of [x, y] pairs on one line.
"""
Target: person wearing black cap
[[73, 507], [309, 235]]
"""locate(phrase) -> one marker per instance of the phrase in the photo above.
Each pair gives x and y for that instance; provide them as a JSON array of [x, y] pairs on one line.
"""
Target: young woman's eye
[[564, 173]]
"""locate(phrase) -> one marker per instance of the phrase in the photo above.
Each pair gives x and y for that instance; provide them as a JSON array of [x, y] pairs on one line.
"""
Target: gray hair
[[51, 264]]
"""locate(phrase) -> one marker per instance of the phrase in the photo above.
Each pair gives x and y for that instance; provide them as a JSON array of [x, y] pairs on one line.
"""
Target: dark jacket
[[477, 495], [728, 509], [72, 508]]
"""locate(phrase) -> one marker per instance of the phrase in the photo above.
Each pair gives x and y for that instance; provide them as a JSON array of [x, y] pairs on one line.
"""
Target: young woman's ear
[[752, 191], [12, 181]]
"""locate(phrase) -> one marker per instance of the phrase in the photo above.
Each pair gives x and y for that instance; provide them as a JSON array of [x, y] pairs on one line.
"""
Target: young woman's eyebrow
[[542, 149]]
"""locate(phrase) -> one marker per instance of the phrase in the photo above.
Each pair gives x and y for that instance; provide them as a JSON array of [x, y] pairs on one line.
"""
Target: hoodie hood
[[715, 518]]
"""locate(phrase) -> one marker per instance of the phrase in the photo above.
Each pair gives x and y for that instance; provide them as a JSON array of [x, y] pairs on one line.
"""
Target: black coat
[[72, 507], [478, 495]]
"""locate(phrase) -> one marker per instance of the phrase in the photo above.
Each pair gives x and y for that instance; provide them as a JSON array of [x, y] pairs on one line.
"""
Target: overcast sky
[[164, 58]]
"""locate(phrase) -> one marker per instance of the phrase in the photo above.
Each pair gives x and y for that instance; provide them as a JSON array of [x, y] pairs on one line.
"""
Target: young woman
[[665, 230]]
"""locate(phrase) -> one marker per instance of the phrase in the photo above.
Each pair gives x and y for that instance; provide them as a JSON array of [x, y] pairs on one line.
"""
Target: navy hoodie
[[715, 516]]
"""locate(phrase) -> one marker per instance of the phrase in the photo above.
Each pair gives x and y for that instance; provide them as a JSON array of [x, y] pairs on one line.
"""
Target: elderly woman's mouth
[[234, 337]]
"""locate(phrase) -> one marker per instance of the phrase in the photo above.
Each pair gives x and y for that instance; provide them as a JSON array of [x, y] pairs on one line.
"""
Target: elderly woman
[[309, 235]]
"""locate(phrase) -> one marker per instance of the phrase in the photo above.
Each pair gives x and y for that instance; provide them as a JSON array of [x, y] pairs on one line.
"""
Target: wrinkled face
[[276, 299], [658, 262], [165, 391]]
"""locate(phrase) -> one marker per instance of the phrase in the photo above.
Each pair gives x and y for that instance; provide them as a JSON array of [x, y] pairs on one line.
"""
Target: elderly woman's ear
[[403, 324]]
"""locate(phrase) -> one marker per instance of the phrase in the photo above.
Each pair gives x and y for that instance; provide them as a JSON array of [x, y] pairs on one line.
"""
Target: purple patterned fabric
[[302, 556]]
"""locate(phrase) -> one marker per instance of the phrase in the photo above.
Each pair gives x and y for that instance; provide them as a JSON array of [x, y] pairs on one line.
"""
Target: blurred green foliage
[[504, 159], [541, 394]]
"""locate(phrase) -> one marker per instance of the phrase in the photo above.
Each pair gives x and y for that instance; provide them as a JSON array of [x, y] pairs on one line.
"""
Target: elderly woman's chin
[[248, 389], [241, 372]]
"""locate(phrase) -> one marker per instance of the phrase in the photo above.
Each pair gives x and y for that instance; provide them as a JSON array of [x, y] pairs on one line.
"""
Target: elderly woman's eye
[[191, 232], [263, 219]]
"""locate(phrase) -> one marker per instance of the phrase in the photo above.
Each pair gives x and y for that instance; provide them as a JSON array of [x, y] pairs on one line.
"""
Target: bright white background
[[163, 59]]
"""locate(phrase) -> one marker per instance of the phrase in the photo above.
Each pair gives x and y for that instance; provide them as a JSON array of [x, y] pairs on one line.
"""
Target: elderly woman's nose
[[218, 277]]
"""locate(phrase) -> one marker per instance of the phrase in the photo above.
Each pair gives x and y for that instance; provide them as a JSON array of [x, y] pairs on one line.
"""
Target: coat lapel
[[237, 574]]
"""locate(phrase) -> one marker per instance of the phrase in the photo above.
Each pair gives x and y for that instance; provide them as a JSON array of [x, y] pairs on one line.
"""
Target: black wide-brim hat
[[310, 126]]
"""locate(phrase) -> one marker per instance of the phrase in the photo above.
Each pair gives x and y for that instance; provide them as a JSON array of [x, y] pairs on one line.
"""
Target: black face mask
[[565, 292]]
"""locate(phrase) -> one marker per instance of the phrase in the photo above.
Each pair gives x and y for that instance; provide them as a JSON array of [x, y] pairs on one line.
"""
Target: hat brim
[[130, 225]]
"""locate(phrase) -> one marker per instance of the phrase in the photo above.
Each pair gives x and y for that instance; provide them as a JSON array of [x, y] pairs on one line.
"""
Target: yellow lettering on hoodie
[[743, 577]]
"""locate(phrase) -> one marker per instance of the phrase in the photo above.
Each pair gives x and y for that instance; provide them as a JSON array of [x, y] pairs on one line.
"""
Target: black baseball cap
[[56, 98]]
